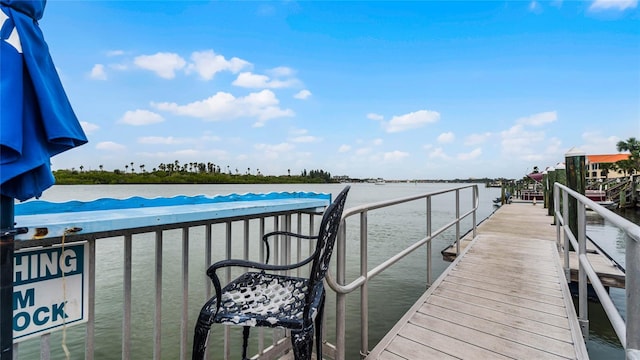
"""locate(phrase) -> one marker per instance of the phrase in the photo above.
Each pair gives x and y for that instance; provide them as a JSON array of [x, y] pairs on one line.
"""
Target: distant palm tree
[[100, 166], [81, 168], [632, 165]]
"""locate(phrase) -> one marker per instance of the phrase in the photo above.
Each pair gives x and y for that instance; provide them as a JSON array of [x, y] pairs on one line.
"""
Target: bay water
[[391, 293]]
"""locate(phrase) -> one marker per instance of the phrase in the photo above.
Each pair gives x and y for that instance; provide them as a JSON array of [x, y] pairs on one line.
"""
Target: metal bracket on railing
[[6, 233]]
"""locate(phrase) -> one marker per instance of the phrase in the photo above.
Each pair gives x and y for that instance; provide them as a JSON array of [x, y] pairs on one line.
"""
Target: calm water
[[389, 232]]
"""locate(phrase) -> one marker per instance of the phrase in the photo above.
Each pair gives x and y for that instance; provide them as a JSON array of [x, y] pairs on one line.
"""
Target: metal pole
[[429, 275], [632, 260], [458, 222], [582, 274], [6, 278], [364, 290]]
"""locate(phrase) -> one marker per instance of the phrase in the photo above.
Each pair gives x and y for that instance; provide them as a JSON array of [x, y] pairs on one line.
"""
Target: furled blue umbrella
[[36, 123]]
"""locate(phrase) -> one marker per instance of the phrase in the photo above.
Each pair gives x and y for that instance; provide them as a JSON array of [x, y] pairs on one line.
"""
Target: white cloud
[[377, 142], [363, 151], [535, 7], [207, 64], [262, 105], [281, 71], [162, 140], [395, 155], [305, 139], [110, 146], [438, 153], [473, 154], [373, 116], [518, 140], [256, 81], [164, 65], [112, 53], [596, 143], [344, 148], [98, 73], [475, 139], [274, 151], [411, 120], [446, 137], [302, 94], [140, 117], [89, 128], [539, 119], [613, 5]]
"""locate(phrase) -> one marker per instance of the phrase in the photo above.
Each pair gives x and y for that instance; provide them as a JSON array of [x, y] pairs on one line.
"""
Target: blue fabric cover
[[36, 118]]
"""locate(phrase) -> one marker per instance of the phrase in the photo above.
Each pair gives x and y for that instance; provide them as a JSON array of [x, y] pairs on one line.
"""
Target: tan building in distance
[[596, 163]]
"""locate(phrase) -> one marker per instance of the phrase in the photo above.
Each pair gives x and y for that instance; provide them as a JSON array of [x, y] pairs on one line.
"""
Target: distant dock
[[506, 296]]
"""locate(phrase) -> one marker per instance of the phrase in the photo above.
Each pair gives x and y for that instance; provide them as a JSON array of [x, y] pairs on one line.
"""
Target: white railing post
[[632, 261], [457, 222], [364, 291], [341, 299], [429, 272], [582, 274]]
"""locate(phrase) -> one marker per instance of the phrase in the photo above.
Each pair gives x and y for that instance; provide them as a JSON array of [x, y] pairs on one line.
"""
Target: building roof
[[608, 158]]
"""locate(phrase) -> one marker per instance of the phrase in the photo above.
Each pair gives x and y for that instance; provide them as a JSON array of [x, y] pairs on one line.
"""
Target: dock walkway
[[505, 297]]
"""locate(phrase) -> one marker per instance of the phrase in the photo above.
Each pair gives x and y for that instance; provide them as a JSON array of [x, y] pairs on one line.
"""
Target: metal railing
[[342, 289], [230, 234], [628, 331]]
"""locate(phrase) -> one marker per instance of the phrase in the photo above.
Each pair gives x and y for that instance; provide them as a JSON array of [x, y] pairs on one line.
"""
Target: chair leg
[[245, 341], [201, 332], [319, 318], [302, 342]]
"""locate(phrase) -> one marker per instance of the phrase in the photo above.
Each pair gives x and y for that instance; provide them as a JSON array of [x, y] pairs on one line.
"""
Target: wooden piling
[[576, 181], [550, 181]]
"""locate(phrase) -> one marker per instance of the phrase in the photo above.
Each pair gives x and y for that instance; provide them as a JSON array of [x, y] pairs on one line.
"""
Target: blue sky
[[400, 90]]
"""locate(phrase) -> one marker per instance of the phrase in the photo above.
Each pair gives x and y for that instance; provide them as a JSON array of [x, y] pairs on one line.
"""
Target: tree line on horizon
[[187, 173]]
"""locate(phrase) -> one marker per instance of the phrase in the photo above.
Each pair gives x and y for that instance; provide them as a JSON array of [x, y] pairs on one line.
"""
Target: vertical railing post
[[582, 274], [565, 222], [126, 320], [474, 204], [364, 291], [227, 336], [91, 317], [341, 301], [429, 225], [184, 319], [157, 325], [457, 222], [632, 260], [556, 206]]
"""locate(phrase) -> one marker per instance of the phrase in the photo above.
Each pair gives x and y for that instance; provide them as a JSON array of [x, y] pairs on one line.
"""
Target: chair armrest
[[266, 236]]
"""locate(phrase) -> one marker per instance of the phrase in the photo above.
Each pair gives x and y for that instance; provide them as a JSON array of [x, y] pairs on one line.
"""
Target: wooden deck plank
[[505, 296], [508, 319], [505, 279], [408, 349], [496, 327], [490, 342], [531, 314], [447, 345]]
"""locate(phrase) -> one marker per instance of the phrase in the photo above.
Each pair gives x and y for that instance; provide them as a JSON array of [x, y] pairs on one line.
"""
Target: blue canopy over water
[[36, 118]]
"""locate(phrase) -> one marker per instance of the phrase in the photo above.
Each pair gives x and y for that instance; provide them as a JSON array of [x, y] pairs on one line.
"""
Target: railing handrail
[[361, 281], [628, 332], [357, 282]]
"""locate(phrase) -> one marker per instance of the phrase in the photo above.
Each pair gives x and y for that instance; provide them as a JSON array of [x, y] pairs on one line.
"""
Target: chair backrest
[[329, 227]]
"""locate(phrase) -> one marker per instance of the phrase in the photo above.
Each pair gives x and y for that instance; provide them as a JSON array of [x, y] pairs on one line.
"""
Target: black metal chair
[[274, 300]]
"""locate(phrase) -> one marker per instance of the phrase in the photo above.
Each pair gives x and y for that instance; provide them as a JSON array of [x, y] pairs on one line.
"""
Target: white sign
[[49, 289]]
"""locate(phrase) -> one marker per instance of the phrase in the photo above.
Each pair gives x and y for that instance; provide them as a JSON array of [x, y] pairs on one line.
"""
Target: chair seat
[[261, 299]]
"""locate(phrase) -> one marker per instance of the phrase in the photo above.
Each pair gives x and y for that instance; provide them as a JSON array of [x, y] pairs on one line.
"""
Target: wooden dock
[[505, 297]]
